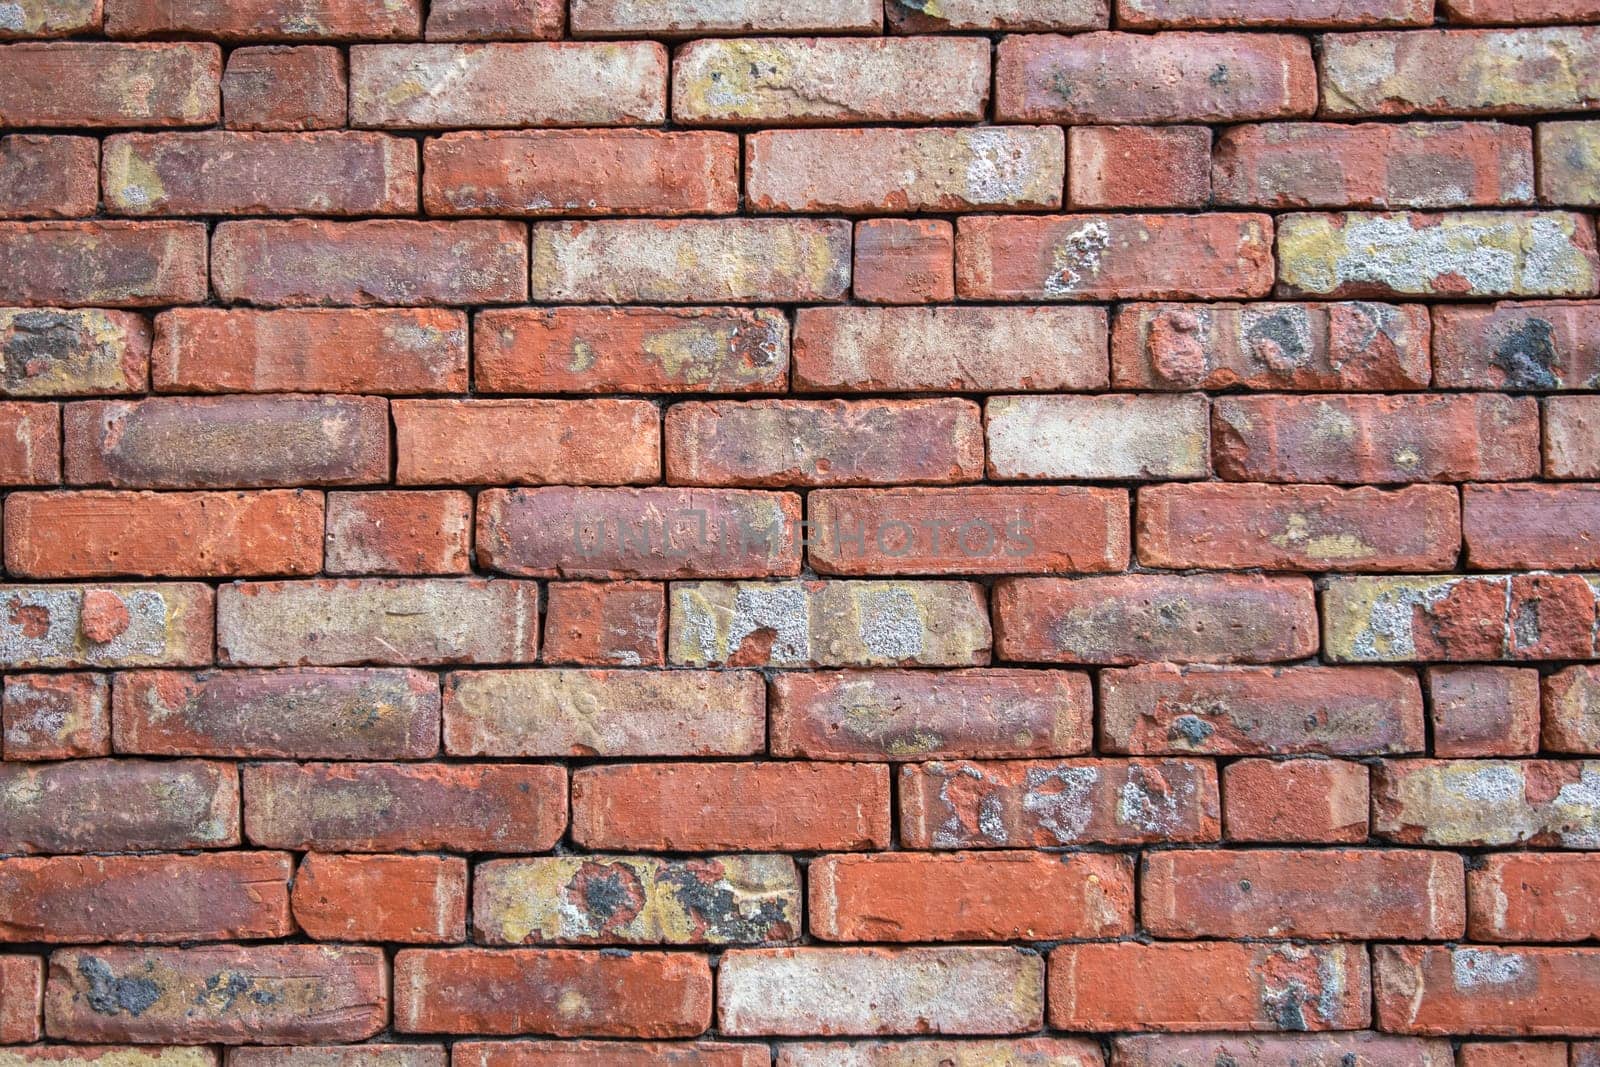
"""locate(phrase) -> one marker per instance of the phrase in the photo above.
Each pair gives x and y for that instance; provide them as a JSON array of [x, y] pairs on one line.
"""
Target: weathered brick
[[871, 171], [51, 18], [1461, 254], [110, 1056], [228, 994], [566, 83], [1484, 711], [1104, 78], [56, 716], [915, 715], [1352, 894], [410, 899], [298, 262], [970, 896], [1571, 711], [1569, 154], [248, 20], [1513, 1054], [568, 532], [1525, 896], [117, 805], [1162, 709], [691, 261], [55, 352], [1139, 166], [486, 20], [48, 177], [966, 349], [759, 807], [1228, 14], [558, 713], [662, 18], [1297, 800], [1486, 803], [1460, 72], [399, 532], [958, 990], [218, 442], [1423, 437], [21, 996], [612, 1053], [1571, 437], [1008, 1052], [829, 81], [1290, 347], [606, 624], [1517, 992], [1540, 346], [1049, 803], [643, 900], [472, 442], [632, 350], [284, 87], [1520, 11], [30, 444], [1113, 257], [1104, 437], [331, 622], [339, 1056], [904, 261], [1299, 528], [582, 172], [1143, 617], [113, 263], [309, 713], [1528, 527], [206, 897], [102, 534], [978, 530], [1356, 1049], [551, 991], [54, 626], [96, 84], [385, 807], [828, 624], [1374, 165]]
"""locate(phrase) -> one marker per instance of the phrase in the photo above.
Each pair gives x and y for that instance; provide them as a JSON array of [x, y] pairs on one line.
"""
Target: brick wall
[[938, 533]]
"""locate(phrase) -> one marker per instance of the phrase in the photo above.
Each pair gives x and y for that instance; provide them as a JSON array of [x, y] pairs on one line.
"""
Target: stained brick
[[1522, 347], [265, 19], [53, 18], [96, 84], [1094, 438], [1525, 896], [48, 177], [117, 805], [904, 261], [278, 87], [56, 716], [30, 444], [112, 263], [54, 352], [55, 626], [1516, 992], [617, 1053], [1022, 1051], [1485, 803], [1362, 1049], [652, 18], [606, 624], [1571, 703], [1568, 155], [485, 20], [402, 533]]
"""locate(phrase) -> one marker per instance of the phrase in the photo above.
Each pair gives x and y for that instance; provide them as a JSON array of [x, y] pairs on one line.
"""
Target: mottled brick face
[[837, 533]]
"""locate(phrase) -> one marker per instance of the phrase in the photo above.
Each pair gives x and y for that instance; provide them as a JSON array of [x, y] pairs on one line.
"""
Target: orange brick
[[1139, 166], [904, 261], [409, 899], [402, 533]]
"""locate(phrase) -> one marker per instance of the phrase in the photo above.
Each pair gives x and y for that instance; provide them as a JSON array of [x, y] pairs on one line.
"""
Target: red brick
[[1299, 528], [632, 350], [1356, 1049], [1050, 803], [904, 261], [970, 896], [523, 442], [301, 262], [102, 534], [1107, 437], [1571, 711], [822, 81], [225, 442], [563, 992], [823, 442], [135, 1056], [628, 18], [52, 352], [1484, 711], [409, 899], [48, 627], [1531, 527], [384, 350], [57, 716], [1520, 11], [48, 177], [1229, 14], [1010, 1051], [392, 532], [1106, 257], [95, 84], [1299, 800], [254, 20], [1515, 992], [1290, 347], [917, 715], [1484, 803], [996, 15], [582, 172], [606, 624], [30, 444], [1374, 165], [700, 807], [1355, 439], [1139, 166], [310, 713], [485, 20], [116, 264], [1355, 894], [383, 807], [53, 18], [1531, 897], [302, 993], [612, 1053], [557, 713], [1141, 617], [1514, 1054], [1169, 77], [1571, 437], [565, 83], [281, 87], [370, 1055], [1216, 985], [21, 996], [1533, 346], [965, 349], [205, 897], [117, 805]]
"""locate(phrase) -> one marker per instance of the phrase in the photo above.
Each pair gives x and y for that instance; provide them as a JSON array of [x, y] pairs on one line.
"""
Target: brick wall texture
[[841, 533]]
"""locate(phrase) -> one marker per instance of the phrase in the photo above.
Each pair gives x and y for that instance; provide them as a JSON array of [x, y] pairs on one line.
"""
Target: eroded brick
[[56, 716], [485, 20], [1516, 992], [949, 15], [1571, 711], [1523, 347], [56, 352], [1571, 437], [21, 997], [250, 20], [1569, 154], [48, 627], [52, 18], [1107, 437], [1525, 896], [653, 18], [1486, 803]]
